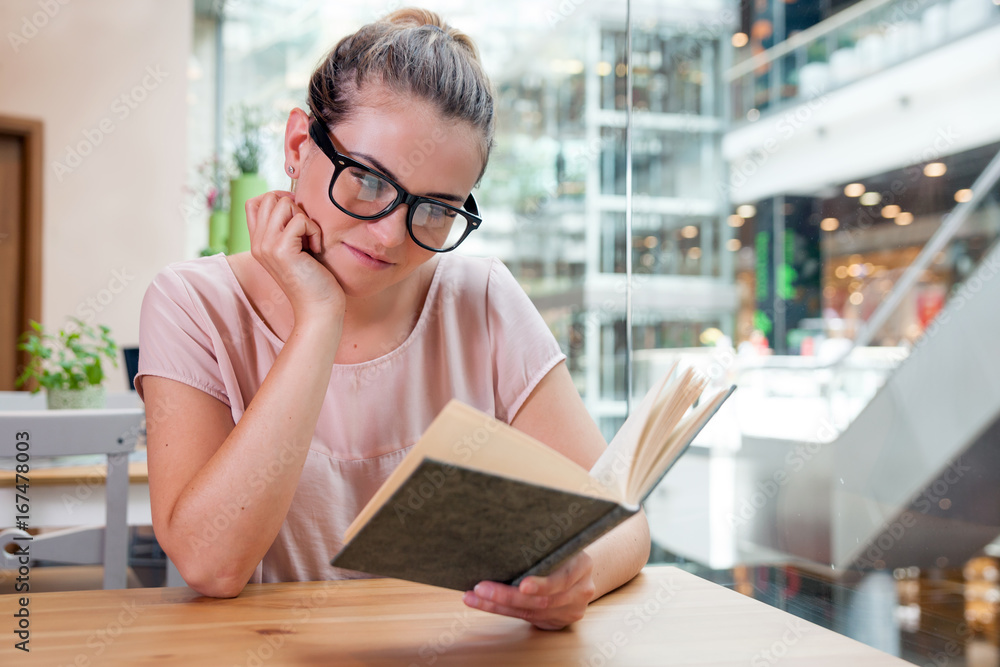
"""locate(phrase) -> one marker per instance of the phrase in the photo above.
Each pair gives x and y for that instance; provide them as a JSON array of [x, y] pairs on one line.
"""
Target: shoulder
[[485, 277], [192, 279]]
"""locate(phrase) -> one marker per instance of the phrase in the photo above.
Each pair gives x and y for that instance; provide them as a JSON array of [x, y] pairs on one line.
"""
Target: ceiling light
[[746, 211], [854, 189], [870, 199], [694, 253], [733, 245], [935, 169], [963, 195], [904, 218], [857, 298], [651, 242], [689, 232], [603, 68], [890, 211], [841, 272], [735, 220], [740, 39], [829, 224]]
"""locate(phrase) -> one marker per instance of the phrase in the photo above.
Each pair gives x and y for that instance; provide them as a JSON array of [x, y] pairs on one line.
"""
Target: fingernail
[[483, 591]]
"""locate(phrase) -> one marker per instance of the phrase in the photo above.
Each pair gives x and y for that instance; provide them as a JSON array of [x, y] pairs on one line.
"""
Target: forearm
[[620, 554], [229, 514]]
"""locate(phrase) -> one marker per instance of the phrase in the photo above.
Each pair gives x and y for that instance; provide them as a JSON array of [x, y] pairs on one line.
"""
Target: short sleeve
[[174, 339], [524, 349]]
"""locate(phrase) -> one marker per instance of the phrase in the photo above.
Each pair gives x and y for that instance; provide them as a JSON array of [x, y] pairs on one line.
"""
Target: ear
[[297, 144]]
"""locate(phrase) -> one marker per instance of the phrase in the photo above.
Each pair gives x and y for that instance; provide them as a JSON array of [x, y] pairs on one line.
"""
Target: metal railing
[[859, 41]]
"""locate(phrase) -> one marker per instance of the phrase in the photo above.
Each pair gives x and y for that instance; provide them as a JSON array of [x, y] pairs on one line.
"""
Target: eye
[[370, 187], [440, 213]]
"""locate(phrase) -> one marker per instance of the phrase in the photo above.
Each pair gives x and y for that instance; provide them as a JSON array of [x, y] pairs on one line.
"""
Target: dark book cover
[[454, 527]]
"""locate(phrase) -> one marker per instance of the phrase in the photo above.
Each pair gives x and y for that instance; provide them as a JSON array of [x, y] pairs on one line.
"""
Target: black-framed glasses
[[365, 194]]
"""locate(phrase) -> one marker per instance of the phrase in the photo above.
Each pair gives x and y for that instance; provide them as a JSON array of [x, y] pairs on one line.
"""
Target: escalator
[[912, 480]]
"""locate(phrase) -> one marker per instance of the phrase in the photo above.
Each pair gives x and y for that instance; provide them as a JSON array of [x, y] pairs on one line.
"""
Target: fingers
[[268, 219], [568, 574], [551, 602], [534, 609], [501, 594]]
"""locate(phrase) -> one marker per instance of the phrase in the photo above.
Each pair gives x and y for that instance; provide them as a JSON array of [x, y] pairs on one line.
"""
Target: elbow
[[209, 581], [212, 584], [198, 568], [216, 587]]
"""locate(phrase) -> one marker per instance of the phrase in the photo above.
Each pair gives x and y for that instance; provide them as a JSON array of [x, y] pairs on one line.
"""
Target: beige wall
[[107, 78]]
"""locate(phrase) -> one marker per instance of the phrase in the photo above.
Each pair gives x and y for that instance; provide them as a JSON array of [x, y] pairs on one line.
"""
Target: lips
[[369, 257]]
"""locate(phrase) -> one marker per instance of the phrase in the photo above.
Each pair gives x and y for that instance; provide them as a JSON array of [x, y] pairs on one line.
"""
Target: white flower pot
[[92, 397]]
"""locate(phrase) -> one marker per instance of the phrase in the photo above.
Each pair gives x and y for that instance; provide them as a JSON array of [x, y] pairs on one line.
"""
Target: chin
[[356, 285]]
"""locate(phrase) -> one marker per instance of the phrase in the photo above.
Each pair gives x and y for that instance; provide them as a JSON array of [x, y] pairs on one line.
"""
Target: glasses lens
[[362, 192], [438, 227]]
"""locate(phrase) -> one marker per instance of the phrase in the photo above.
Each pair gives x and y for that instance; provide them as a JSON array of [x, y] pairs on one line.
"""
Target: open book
[[476, 499]]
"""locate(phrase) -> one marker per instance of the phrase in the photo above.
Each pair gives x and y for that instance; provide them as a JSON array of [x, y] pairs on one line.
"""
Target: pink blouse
[[478, 339]]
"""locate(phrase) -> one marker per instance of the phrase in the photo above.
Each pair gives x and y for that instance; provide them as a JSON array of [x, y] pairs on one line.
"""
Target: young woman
[[282, 386]]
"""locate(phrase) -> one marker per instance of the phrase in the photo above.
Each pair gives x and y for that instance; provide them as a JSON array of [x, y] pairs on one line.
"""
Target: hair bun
[[416, 17], [404, 53]]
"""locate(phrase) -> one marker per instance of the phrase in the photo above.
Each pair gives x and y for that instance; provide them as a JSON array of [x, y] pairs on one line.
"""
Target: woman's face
[[404, 139]]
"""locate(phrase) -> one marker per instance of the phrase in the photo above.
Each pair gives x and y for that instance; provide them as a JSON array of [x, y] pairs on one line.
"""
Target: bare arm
[[555, 415], [220, 492]]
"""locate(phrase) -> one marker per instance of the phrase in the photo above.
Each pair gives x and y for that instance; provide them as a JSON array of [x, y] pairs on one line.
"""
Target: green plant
[[70, 359], [214, 174], [249, 123]]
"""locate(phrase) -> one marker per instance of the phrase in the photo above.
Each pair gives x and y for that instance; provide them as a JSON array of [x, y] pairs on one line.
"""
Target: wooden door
[[20, 238]]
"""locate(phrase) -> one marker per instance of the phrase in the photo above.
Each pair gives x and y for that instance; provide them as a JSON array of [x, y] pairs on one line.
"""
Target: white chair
[[903, 40], [844, 65], [51, 433], [870, 53], [814, 80], [967, 15], [934, 23]]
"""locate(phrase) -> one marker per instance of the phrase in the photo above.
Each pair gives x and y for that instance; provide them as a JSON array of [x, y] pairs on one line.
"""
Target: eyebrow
[[433, 195]]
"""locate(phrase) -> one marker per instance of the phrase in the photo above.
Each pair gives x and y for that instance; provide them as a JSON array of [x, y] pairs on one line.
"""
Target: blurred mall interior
[[810, 188]]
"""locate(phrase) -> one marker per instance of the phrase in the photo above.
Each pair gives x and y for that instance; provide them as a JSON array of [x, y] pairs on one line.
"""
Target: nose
[[390, 230]]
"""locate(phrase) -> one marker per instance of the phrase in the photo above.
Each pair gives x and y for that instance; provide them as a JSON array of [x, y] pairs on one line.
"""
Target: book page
[[612, 469], [670, 408], [672, 444], [463, 436]]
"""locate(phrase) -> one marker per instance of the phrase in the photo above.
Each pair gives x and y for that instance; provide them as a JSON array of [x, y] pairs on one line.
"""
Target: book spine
[[590, 534]]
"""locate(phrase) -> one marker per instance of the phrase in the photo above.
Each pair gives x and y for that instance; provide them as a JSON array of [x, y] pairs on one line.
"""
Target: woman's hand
[[548, 603], [282, 237]]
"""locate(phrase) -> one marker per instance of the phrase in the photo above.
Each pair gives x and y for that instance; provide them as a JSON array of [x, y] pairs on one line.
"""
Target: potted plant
[[216, 177], [248, 184], [68, 364]]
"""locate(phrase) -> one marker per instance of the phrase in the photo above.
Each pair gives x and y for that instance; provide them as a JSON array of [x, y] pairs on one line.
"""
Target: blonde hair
[[410, 52]]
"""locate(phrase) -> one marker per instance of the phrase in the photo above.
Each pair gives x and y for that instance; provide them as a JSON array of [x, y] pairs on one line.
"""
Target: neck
[[393, 309], [396, 304]]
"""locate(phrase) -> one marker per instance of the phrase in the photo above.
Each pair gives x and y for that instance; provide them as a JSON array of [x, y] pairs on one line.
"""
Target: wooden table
[[664, 617]]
